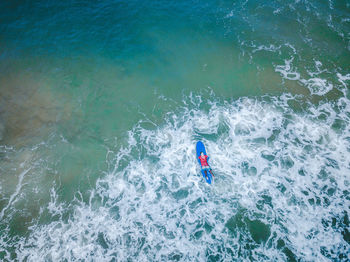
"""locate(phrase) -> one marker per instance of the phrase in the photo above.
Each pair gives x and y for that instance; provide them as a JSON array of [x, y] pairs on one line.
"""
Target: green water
[[101, 105]]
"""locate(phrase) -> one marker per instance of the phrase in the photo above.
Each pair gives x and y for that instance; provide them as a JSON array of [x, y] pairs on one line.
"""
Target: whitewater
[[101, 106]]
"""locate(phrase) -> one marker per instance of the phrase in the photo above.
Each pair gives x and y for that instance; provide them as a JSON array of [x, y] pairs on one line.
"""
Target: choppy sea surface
[[101, 105]]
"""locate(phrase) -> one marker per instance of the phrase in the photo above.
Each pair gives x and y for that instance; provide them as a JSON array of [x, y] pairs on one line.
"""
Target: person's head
[[202, 154]]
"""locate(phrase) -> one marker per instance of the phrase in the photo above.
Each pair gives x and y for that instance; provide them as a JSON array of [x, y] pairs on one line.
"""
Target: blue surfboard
[[201, 148]]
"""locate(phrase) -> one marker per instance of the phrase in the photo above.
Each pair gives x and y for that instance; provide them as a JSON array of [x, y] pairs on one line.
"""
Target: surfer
[[204, 163]]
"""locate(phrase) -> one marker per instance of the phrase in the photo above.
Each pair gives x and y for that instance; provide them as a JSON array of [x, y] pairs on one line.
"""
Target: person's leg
[[206, 169]]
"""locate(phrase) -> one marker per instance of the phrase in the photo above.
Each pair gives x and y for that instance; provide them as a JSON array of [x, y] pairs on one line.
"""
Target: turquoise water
[[101, 105]]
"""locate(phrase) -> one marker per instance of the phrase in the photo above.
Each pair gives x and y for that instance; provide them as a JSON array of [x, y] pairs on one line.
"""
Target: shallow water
[[101, 105]]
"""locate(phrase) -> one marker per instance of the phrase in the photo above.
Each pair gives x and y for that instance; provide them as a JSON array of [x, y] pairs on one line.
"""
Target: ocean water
[[101, 105]]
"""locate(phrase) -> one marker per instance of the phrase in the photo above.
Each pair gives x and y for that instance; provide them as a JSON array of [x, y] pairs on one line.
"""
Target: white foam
[[229, 14], [159, 206], [270, 47], [15, 194], [316, 85], [287, 71], [343, 78]]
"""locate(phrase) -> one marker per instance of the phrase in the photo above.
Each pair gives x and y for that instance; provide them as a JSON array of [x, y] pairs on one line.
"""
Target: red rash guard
[[203, 160]]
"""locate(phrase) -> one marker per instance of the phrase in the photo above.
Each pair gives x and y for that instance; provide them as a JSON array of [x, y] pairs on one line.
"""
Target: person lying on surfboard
[[204, 163]]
